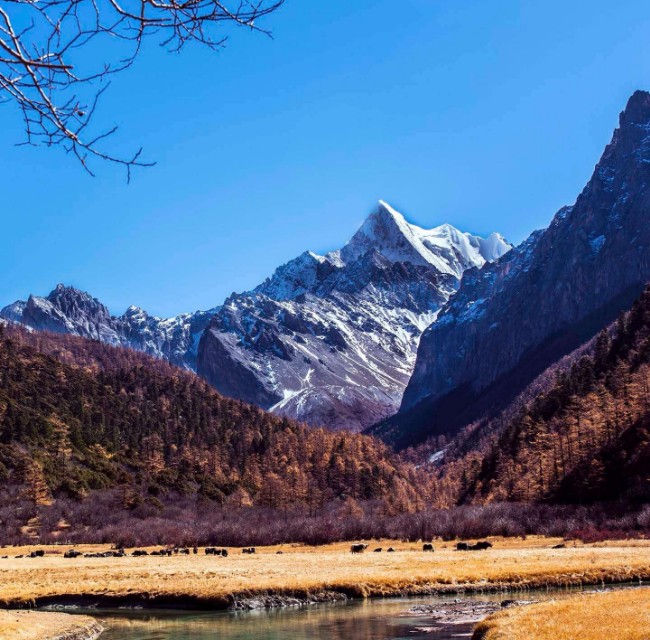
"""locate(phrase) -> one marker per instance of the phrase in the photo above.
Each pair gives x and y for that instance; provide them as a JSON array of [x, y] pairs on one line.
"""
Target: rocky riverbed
[[463, 614]]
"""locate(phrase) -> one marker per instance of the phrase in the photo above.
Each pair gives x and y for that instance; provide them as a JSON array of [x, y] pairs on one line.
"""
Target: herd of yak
[[427, 546], [215, 551], [119, 552]]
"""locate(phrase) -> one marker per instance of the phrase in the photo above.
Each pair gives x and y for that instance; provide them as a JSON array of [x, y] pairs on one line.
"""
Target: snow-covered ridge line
[[69, 310], [444, 247], [386, 231]]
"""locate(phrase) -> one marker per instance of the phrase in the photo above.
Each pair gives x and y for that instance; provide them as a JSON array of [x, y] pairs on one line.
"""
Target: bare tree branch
[[56, 57]]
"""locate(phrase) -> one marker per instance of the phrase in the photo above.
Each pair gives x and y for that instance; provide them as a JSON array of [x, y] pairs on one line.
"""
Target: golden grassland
[[40, 625], [623, 615], [302, 571]]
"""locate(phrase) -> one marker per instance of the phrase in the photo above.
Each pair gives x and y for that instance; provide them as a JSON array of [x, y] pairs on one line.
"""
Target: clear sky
[[486, 115]]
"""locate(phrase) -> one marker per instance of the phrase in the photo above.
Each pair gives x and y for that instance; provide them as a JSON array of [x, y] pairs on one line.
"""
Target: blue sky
[[486, 115]]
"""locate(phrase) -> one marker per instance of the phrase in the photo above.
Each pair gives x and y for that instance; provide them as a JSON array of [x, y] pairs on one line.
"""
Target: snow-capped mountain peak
[[133, 310], [331, 339], [445, 248], [298, 276], [386, 235]]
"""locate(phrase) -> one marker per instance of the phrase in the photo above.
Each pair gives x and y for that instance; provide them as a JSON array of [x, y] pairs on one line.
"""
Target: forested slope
[[584, 439], [79, 417]]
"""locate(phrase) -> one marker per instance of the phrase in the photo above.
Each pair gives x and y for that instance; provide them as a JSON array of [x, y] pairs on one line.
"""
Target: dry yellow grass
[[302, 571], [620, 615], [38, 625]]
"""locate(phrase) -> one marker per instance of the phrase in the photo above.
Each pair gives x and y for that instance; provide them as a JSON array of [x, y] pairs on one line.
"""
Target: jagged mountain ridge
[[326, 339], [512, 319], [331, 339], [70, 311]]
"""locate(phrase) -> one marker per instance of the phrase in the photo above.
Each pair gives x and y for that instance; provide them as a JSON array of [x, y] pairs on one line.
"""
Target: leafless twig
[[56, 57]]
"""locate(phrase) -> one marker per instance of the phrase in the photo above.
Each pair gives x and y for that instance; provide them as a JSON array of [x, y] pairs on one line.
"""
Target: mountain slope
[[512, 319], [331, 339], [584, 439]]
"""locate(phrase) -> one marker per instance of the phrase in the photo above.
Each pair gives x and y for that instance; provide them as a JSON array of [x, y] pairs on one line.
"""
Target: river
[[374, 619]]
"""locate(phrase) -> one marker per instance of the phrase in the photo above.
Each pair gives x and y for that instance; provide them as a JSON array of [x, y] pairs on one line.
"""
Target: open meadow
[[313, 573], [624, 615]]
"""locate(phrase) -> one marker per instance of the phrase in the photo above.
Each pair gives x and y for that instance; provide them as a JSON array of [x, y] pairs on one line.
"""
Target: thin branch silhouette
[[56, 58]]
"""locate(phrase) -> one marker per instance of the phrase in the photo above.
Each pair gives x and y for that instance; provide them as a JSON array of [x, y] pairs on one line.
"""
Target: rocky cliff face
[[331, 339], [510, 319], [68, 310]]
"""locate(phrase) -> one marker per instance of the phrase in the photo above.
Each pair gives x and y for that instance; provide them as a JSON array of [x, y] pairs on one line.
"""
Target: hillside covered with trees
[[80, 421], [583, 438], [104, 444]]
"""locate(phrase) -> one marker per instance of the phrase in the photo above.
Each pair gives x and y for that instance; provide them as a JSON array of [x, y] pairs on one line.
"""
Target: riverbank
[[45, 625], [624, 615], [302, 574]]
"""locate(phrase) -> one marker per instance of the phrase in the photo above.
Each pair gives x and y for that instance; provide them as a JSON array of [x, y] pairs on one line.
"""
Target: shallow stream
[[375, 619]]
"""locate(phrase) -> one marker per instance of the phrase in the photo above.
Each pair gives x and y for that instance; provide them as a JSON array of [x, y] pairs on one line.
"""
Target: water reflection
[[371, 620]]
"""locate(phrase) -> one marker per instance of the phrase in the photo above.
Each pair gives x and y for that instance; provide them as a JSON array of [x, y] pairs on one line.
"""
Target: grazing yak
[[377, 550], [358, 548], [479, 546], [248, 550], [72, 553], [427, 546], [390, 550]]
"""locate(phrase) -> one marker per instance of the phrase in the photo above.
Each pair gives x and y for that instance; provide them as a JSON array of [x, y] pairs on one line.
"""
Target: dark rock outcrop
[[68, 310]]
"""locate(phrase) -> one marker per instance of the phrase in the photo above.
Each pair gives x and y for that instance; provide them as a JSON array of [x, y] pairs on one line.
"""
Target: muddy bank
[[275, 601], [234, 602]]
